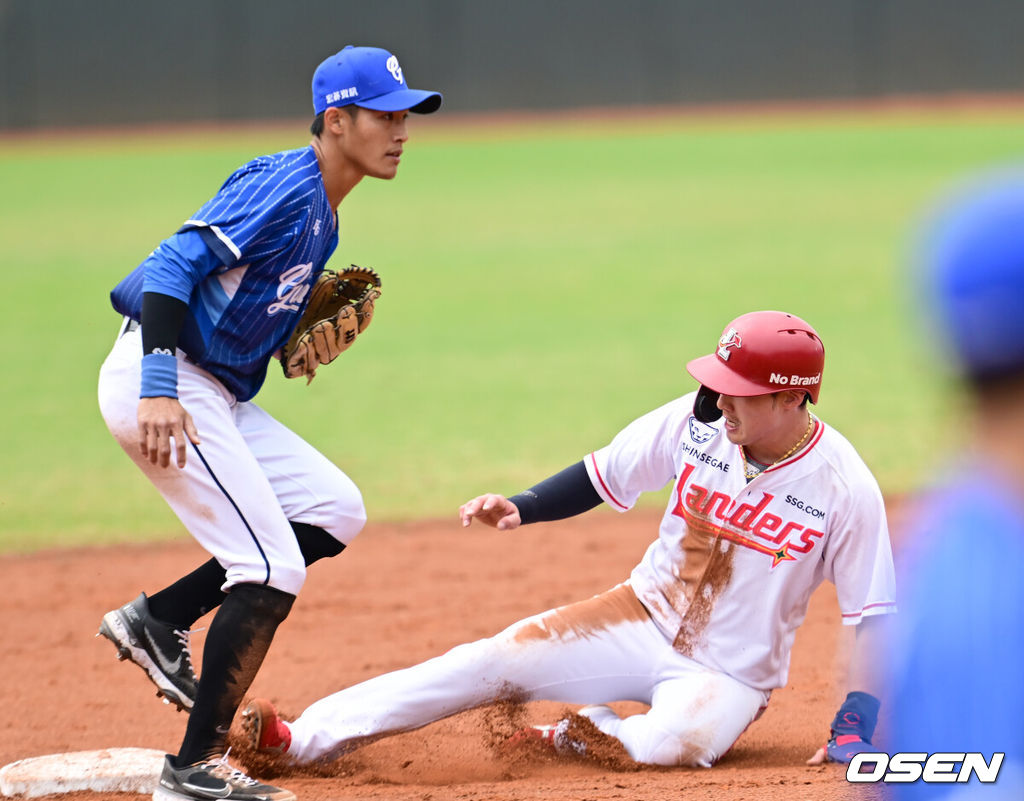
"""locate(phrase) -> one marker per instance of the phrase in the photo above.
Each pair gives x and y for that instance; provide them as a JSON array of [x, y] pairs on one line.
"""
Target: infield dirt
[[400, 594]]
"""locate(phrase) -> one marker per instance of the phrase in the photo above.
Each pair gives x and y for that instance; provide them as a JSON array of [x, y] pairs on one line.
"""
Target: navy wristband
[[159, 376], [858, 715]]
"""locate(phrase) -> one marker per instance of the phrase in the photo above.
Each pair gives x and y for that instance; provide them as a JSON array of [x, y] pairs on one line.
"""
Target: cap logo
[[730, 339], [394, 69]]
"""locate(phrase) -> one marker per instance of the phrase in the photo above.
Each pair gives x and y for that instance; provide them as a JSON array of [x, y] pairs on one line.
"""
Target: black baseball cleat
[[158, 648], [215, 779]]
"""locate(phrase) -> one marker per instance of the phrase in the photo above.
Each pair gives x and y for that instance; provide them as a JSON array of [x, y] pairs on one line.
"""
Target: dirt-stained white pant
[[597, 651], [246, 480]]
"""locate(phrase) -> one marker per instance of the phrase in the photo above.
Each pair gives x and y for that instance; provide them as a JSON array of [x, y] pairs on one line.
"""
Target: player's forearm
[[172, 271], [565, 494], [868, 647], [162, 319], [854, 724]]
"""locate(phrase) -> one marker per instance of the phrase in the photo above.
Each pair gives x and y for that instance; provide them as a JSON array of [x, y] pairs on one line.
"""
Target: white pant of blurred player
[[597, 651], [246, 480]]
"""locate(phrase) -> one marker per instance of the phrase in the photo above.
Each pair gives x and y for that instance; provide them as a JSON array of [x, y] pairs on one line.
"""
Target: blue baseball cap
[[973, 269], [369, 77]]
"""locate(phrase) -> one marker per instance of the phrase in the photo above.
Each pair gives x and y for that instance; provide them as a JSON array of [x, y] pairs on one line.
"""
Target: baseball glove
[[340, 308]]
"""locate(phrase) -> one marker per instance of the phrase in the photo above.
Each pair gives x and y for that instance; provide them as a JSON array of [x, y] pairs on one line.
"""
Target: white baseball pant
[[596, 651], [249, 476]]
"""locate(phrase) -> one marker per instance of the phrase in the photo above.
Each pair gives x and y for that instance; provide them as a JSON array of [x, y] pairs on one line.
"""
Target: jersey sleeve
[[178, 265], [255, 213], [640, 458], [858, 554]]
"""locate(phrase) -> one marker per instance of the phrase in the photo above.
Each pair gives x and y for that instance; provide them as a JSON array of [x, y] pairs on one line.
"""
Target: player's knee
[[344, 515], [660, 747], [351, 518]]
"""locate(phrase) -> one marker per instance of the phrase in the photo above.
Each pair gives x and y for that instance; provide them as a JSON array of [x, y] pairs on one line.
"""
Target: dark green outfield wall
[[89, 62]]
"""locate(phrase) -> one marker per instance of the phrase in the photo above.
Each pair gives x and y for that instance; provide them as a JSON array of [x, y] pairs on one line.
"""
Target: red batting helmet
[[759, 353]]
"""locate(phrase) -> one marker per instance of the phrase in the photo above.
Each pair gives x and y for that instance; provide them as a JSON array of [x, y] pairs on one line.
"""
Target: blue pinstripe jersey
[[244, 264], [956, 658]]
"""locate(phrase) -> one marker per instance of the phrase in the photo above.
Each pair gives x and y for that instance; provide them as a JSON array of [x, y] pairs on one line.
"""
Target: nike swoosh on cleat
[[206, 792], [167, 667]]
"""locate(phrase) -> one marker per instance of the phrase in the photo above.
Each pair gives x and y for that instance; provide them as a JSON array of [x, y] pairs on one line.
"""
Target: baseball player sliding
[[767, 502], [204, 315]]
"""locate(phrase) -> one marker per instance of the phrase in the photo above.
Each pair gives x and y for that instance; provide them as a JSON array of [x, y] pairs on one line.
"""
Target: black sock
[[238, 640], [192, 596]]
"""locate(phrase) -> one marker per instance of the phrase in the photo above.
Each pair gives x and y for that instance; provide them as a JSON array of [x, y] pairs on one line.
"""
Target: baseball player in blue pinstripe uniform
[[955, 658], [204, 314]]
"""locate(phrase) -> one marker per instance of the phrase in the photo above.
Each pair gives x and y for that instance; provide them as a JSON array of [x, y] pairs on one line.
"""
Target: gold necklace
[[752, 473]]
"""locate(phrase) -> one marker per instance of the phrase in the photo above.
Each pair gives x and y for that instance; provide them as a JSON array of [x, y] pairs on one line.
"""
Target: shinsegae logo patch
[[701, 432]]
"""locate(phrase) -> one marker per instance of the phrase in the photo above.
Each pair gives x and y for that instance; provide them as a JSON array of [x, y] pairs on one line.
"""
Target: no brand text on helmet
[[795, 380]]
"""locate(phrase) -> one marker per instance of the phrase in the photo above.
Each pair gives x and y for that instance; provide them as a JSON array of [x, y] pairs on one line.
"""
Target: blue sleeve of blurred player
[[957, 664]]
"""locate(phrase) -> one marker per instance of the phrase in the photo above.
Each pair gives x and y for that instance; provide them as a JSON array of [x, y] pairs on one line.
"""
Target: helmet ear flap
[[705, 405]]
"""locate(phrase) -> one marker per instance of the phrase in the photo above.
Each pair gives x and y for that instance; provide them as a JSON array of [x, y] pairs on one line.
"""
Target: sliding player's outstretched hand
[[493, 510]]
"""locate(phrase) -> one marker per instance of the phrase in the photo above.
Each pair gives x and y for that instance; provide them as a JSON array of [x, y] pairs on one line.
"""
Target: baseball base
[[128, 770]]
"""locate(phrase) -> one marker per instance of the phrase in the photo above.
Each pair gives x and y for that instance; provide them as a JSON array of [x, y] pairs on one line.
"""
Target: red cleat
[[556, 737], [267, 733], [534, 734]]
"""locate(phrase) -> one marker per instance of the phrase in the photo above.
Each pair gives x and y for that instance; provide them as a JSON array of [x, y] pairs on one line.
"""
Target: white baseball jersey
[[729, 578], [702, 633]]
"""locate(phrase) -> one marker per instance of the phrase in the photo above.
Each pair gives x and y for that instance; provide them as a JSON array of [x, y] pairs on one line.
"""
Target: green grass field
[[544, 284]]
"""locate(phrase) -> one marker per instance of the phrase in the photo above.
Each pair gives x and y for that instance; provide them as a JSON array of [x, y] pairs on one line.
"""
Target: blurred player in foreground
[[767, 502], [205, 314], [956, 671]]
